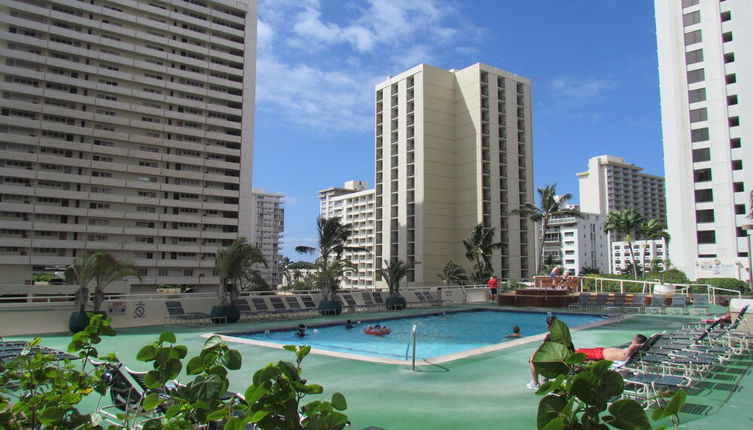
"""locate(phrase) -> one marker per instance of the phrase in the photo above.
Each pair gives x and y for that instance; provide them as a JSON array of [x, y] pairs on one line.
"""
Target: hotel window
[[699, 135], [688, 3], [706, 236], [693, 37], [701, 175], [732, 100], [703, 154], [730, 79], [705, 215], [738, 187], [735, 142], [740, 209], [698, 95], [734, 121], [726, 16], [704, 195], [727, 37], [691, 18], [698, 115], [694, 76], [694, 56], [737, 164]]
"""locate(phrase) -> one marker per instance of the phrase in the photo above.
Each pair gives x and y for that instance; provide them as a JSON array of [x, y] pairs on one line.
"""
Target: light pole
[[748, 228]]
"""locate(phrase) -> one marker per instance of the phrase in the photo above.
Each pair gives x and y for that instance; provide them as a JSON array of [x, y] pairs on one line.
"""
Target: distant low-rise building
[[577, 243], [648, 254]]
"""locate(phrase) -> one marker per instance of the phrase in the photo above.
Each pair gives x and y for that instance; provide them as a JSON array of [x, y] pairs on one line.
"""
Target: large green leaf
[[212, 343], [549, 359], [234, 359], [206, 387], [585, 387], [167, 337], [560, 333], [627, 414], [338, 401], [194, 366], [612, 384], [151, 401], [671, 408], [147, 353], [549, 409]]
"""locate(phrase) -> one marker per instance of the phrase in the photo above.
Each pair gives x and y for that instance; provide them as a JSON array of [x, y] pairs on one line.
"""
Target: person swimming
[[301, 332]]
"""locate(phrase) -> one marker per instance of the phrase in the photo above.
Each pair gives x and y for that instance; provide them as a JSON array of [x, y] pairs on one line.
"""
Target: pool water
[[437, 335]]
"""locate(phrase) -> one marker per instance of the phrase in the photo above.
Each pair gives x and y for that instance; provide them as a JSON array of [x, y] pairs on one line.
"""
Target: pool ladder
[[412, 341]]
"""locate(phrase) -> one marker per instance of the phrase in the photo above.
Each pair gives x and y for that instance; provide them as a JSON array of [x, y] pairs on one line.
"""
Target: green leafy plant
[[728, 283], [579, 395], [39, 391]]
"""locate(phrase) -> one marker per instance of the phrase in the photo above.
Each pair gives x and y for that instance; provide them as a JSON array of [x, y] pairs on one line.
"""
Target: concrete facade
[[578, 243], [270, 225], [354, 205], [645, 252], [453, 149], [126, 126], [611, 183], [705, 51]]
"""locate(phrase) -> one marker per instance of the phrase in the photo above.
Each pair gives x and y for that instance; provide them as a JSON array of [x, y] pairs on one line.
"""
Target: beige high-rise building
[[611, 183], [270, 225], [354, 205], [453, 149], [126, 126], [705, 53]]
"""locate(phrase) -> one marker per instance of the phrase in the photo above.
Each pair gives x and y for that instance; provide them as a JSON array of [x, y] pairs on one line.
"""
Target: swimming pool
[[438, 335]]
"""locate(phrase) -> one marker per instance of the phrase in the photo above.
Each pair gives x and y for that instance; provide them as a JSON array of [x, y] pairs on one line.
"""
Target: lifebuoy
[[381, 331]]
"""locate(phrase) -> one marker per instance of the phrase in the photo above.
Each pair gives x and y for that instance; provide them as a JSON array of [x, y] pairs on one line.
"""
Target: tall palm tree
[[285, 270], [233, 265], [479, 247], [626, 223], [100, 269], [655, 229], [331, 264], [453, 274], [550, 206]]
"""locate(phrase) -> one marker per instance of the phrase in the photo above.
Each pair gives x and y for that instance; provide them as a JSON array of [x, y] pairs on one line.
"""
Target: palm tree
[[478, 249], [233, 265], [551, 206], [285, 270], [393, 272], [453, 274], [100, 269], [626, 223], [655, 229], [331, 265]]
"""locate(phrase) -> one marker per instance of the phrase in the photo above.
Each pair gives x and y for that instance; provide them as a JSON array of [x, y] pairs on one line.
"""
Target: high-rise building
[[270, 225], [648, 254], [705, 51], [453, 150], [354, 205], [126, 126], [577, 243], [611, 183]]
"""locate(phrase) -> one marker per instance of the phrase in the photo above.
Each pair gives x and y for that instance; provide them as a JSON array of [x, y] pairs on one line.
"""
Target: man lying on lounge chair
[[614, 354]]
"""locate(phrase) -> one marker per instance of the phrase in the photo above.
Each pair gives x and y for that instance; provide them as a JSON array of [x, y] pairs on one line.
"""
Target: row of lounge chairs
[[285, 306], [636, 302], [12, 350], [683, 358]]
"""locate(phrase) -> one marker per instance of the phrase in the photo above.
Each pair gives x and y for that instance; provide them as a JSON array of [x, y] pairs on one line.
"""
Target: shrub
[[728, 283]]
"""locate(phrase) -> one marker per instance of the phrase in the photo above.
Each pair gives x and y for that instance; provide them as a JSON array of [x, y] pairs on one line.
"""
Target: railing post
[[413, 363]]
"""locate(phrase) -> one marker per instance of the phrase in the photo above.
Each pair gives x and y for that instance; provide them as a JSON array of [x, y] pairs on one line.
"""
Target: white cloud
[[318, 61], [581, 88]]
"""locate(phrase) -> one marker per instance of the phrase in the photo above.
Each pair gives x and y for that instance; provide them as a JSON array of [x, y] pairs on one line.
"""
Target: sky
[[592, 64]]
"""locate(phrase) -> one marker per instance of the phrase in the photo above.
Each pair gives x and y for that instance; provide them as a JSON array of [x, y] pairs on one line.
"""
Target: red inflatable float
[[377, 331]]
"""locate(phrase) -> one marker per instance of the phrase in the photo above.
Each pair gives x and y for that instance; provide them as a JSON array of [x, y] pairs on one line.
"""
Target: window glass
[[694, 56], [703, 154], [698, 95], [707, 236], [696, 76], [699, 135], [705, 195], [705, 215], [691, 18], [697, 115], [701, 175], [693, 37]]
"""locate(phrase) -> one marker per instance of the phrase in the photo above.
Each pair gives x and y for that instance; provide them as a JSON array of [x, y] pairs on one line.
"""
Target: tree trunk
[[632, 257], [544, 225]]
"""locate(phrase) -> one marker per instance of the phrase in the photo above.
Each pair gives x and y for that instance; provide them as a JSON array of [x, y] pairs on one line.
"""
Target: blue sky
[[592, 63]]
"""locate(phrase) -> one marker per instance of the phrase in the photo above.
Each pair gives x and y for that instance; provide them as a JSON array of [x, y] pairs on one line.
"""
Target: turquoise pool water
[[437, 335]]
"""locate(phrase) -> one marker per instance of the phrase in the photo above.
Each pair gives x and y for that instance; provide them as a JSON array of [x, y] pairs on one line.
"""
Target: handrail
[[413, 335]]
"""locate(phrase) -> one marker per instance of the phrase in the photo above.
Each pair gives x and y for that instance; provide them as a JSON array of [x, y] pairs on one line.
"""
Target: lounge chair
[[294, 305], [678, 304], [278, 306], [616, 303], [636, 303], [657, 304], [260, 307], [177, 316], [700, 305], [583, 299], [598, 301], [309, 305]]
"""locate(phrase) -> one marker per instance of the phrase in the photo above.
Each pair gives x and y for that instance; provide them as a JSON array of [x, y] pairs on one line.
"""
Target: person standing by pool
[[534, 384], [556, 270], [492, 284]]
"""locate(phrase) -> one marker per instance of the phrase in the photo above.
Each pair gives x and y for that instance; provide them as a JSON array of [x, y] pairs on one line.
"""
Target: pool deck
[[483, 391]]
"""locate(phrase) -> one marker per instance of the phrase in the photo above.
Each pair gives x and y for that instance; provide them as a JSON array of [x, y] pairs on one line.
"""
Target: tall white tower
[[453, 149], [705, 50]]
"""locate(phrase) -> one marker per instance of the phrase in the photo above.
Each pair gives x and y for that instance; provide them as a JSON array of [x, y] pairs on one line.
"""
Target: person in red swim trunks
[[614, 354]]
